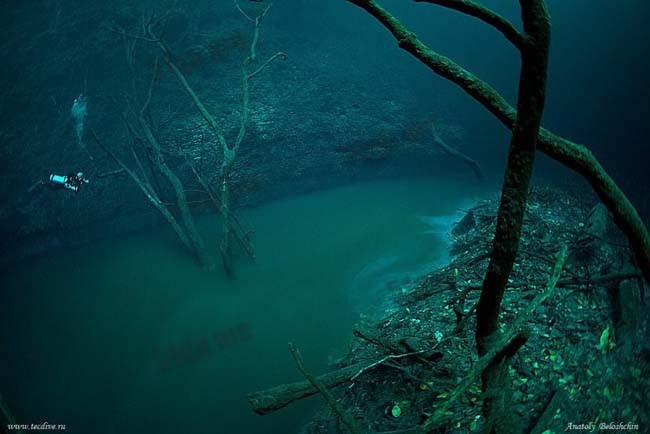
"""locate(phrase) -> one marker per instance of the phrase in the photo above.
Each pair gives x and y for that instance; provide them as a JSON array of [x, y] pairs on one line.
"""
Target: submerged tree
[[519, 170], [229, 152], [573, 155], [142, 139], [232, 229], [527, 135]]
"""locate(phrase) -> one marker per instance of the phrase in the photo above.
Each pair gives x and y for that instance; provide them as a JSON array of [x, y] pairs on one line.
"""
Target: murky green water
[[79, 329]]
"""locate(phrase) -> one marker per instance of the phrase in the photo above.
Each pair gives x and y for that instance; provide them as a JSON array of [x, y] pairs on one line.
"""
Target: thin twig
[[346, 419], [243, 13], [280, 55], [484, 14], [384, 359]]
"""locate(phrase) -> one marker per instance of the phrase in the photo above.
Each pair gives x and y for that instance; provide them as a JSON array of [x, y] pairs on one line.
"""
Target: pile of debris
[[578, 326]]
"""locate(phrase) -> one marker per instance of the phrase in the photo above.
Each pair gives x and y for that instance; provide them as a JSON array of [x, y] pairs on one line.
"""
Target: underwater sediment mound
[[585, 353]]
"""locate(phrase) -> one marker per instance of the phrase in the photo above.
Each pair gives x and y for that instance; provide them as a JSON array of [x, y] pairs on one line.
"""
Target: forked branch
[[484, 14], [572, 155]]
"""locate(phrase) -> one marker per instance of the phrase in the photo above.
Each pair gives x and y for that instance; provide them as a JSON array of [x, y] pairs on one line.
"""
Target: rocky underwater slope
[[574, 324]]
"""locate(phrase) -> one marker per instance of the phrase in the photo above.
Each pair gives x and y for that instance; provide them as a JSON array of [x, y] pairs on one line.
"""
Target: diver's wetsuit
[[74, 181]]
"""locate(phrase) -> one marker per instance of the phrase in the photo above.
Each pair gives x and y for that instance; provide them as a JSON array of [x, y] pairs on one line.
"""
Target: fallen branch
[[508, 343], [421, 354], [455, 153], [383, 360], [269, 400], [145, 186], [275, 398], [344, 416], [484, 14]]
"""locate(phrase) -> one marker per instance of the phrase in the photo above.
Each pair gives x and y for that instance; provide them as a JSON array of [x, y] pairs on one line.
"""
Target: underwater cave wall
[[346, 106], [335, 112]]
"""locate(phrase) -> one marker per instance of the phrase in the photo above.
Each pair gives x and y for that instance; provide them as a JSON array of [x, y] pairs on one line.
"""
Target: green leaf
[[604, 340]]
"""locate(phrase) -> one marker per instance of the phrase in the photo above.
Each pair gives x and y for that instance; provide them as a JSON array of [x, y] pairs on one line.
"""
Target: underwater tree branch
[[148, 191], [344, 416], [384, 360], [514, 195], [195, 238], [279, 55], [519, 168], [241, 234], [455, 153], [553, 404], [229, 152], [256, 34], [212, 123], [190, 235], [508, 343], [484, 14], [573, 155], [242, 12], [275, 398]]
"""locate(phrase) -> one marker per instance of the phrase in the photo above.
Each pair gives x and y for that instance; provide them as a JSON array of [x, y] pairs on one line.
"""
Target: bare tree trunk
[[188, 231], [572, 155], [229, 152], [145, 186], [192, 234], [226, 242], [521, 157]]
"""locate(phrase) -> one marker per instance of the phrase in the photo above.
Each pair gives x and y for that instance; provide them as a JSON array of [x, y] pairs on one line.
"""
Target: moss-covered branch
[[519, 169], [572, 155], [506, 343], [484, 14], [349, 421], [514, 195]]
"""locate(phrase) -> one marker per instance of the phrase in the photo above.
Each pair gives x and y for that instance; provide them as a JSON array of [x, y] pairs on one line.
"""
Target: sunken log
[[269, 400]]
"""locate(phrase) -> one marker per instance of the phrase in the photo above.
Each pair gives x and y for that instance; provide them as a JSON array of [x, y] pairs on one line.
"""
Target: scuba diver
[[72, 181]]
